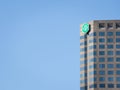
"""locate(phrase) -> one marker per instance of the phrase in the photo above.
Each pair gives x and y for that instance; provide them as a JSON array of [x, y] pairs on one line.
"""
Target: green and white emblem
[[85, 28]]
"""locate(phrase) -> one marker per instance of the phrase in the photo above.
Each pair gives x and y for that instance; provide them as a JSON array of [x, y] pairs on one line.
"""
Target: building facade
[[100, 55]]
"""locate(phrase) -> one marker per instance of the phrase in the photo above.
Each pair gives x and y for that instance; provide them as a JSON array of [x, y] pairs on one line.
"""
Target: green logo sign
[[85, 28]]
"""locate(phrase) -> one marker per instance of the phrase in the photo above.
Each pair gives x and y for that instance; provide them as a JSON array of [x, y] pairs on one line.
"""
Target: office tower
[[100, 55]]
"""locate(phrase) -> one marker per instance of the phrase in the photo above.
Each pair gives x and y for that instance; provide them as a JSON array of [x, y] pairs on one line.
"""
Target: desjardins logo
[[85, 28]]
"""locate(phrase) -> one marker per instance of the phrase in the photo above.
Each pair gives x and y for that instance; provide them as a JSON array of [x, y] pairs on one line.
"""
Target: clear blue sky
[[39, 41]]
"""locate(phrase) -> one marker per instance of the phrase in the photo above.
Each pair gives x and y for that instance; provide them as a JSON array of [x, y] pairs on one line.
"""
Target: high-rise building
[[100, 55]]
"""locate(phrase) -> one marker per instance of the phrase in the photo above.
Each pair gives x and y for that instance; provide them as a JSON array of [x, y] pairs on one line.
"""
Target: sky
[[39, 41]]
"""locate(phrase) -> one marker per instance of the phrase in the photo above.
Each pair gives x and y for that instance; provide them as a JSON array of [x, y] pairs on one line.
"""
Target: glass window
[[90, 34], [117, 33], [83, 62], [118, 46], [118, 72], [82, 81], [93, 79], [83, 43], [83, 88], [110, 33], [110, 72], [85, 81], [102, 79], [117, 65], [110, 79], [117, 39], [118, 79], [93, 34], [110, 65], [93, 66], [110, 46], [110, 59], [110, 25], [83, 68], [118, 86], [101, 33], [110, 85], [93, 73], [118, 59], [110, 40], [92, 40], [117, 25], [93, 86], [101, 59], [102, 86], [101, 52], [102, 72], [92, 47], [93, 60], [83, 55], [101, 40], [117, 52], [101, 25], [102, 46], [110, 52], [83, 75], [82, 37], [93, 53], [83, 49], [101, 65]]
